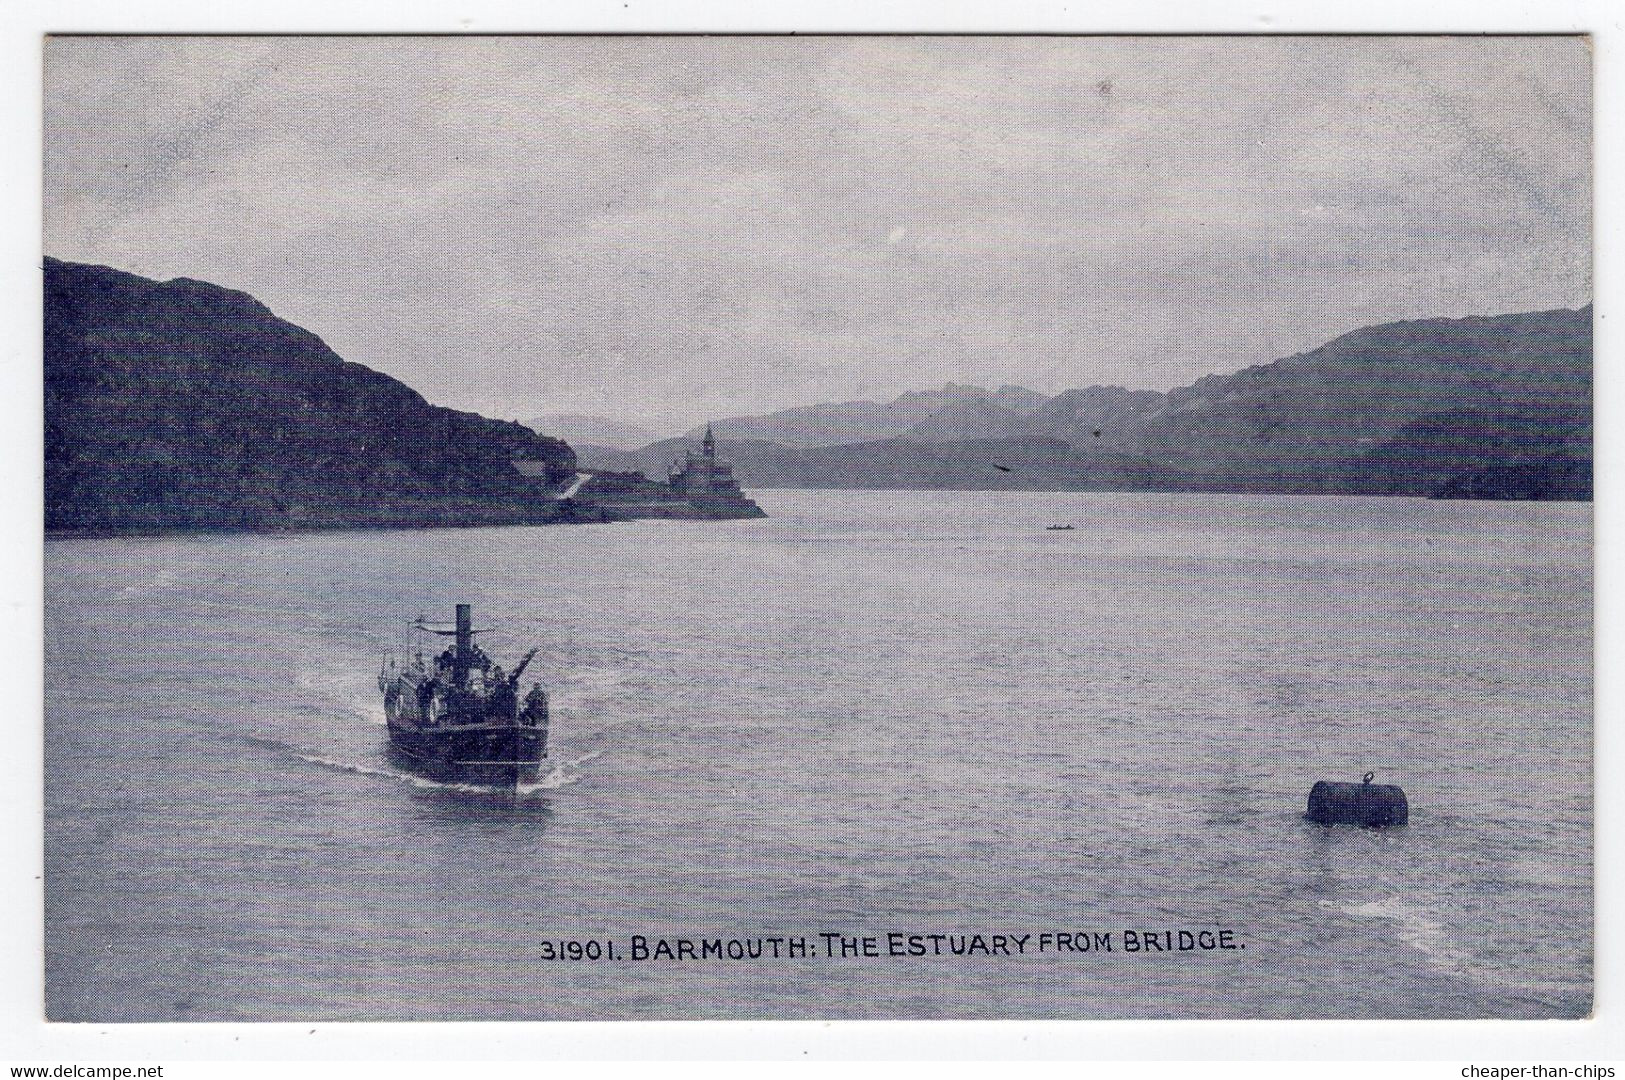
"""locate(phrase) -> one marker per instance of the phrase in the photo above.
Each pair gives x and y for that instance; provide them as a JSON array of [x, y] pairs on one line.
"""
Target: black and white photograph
[[836, 527]]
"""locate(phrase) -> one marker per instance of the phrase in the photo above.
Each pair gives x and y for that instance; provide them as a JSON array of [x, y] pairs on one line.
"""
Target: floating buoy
[[1368, 805]]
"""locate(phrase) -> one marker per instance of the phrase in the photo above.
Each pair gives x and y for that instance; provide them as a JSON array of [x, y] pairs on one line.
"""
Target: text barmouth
[[891, 945]]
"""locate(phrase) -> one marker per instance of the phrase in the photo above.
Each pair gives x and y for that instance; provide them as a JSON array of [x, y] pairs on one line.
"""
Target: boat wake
[[581, 686], [563, 774], [1415, 928], [557, 777], [332, 691], [1433, 939]]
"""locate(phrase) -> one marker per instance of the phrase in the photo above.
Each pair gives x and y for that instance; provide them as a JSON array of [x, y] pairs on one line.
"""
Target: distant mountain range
[[576, 428], [914, 414], [183, 405], [1485, 407]]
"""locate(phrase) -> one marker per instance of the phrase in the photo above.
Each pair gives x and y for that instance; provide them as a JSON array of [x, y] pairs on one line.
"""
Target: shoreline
[[1168, 491], [59, 535], [609, 517]]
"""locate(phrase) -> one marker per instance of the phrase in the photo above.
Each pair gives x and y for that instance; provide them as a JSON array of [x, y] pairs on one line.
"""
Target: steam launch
[[458, 717]]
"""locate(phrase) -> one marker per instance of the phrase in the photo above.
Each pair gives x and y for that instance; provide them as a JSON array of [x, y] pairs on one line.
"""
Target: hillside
[[1503, 385], [1486, 407], [183, 405]]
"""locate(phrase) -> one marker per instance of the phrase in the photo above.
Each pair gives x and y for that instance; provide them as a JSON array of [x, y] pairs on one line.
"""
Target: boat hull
[[502, 756], [459, 717]]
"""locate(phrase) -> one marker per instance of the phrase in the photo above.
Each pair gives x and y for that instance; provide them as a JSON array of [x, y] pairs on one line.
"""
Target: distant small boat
[[1060, 528]]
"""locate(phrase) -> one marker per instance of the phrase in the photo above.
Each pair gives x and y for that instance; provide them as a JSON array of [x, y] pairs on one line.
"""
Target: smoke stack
[[465, 644]]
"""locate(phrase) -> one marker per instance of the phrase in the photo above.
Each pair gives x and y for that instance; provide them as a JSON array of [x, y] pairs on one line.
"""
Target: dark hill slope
[[181, 405], [1504, 387]]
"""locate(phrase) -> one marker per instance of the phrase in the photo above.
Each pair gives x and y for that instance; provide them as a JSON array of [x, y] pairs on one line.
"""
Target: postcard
[[839, 527]]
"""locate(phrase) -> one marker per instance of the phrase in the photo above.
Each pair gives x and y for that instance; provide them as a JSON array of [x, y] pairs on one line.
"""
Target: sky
[[667, 230]]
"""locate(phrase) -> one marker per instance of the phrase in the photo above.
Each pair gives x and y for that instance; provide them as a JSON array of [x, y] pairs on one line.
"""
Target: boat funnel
[[464, 655]]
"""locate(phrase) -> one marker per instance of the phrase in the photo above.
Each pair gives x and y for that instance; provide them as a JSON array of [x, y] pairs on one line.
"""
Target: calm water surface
[[873, 712]]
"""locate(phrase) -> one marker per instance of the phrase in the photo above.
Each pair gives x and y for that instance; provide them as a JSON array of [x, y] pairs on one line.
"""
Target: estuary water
[[873, 713]]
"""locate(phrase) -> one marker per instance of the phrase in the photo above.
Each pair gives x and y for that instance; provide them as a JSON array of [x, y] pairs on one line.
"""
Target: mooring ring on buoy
[[1368, 777]]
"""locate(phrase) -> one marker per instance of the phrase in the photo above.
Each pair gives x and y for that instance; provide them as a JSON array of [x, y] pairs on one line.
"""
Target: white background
[[26, 1039]]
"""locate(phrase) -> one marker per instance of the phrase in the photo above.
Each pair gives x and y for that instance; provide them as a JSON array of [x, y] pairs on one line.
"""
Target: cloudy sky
[[662, 230]]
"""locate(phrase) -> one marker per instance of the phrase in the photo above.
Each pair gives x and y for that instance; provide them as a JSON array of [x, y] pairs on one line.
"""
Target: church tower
[[707, 483]]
